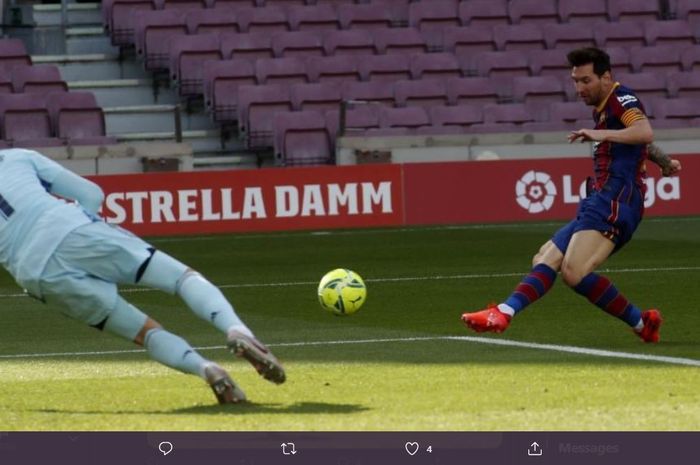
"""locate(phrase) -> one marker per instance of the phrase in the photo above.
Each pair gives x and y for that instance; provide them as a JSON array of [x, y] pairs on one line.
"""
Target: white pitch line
[[409, 278], [474, 339]]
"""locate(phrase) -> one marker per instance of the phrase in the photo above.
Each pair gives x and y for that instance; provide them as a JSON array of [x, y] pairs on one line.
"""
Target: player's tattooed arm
[[668, 165]]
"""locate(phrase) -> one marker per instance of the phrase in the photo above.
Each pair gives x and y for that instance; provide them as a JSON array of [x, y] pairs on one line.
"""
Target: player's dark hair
[[583, 56]]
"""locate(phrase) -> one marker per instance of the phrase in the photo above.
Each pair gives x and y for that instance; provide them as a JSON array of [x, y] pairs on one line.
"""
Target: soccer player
[[607, 217], [63, 253]]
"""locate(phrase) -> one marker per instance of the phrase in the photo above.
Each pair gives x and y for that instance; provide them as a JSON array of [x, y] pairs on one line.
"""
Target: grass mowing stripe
[[479, 340]]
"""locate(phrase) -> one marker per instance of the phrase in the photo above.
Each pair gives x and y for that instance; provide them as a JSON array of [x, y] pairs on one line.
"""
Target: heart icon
[[411, 448]]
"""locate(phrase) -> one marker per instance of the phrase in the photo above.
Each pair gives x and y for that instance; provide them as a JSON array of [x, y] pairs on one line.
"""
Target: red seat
[[78, 119], [221, 82], [301, 138], [37, 79]]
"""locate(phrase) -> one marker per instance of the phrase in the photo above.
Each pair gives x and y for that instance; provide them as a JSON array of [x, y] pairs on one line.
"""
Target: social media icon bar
[[534, 450], [412, 448], [165, 447], [288, 448]]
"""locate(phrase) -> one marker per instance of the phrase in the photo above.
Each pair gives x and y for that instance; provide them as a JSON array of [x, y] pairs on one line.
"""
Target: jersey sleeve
[[629, 108]]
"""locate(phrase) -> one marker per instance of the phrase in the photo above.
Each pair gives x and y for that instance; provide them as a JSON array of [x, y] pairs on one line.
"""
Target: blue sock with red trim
[[532, 287], [603, 293]]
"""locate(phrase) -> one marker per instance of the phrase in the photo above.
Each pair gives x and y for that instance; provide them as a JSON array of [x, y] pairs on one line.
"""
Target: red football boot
[[491, 319], [652, 324]]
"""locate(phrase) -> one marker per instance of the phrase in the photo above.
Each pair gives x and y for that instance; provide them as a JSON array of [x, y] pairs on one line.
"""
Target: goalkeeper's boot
[[258, 355], [490, 319], [225, 390], [652, 325]]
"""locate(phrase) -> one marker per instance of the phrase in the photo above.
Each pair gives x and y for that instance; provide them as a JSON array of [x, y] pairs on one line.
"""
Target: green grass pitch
[[392, 365]]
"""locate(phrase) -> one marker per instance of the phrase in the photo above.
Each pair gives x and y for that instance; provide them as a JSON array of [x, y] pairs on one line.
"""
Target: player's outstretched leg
[[496, 318], [208, 302], [601, 292]]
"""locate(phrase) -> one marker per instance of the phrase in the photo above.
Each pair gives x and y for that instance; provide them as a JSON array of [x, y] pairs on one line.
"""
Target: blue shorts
[[616, 210]]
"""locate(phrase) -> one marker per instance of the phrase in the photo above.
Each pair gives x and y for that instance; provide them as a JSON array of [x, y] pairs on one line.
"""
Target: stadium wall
[[371, 195]]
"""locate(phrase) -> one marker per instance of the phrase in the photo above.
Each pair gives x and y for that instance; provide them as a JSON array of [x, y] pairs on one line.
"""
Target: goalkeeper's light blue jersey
[[32, 221]]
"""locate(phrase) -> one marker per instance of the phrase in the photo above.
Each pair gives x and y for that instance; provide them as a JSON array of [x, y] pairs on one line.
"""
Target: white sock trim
[[506, 309]]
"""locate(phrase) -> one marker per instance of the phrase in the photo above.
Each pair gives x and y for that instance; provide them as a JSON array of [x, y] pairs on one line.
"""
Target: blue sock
[[532, 287], [173, 351], [601, 292]]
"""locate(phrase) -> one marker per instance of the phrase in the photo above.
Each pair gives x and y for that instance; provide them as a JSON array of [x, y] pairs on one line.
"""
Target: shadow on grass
[[247, 408]]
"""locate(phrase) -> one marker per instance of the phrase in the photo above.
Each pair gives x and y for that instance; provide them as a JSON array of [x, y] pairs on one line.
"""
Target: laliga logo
[[535, 191]]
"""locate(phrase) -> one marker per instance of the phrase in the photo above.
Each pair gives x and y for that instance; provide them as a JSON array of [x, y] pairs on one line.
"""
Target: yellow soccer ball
[[342, 292]]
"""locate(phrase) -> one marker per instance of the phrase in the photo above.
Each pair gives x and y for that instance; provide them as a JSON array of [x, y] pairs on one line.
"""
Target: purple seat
[[662, 58], [684, 85], [187, 55], [77, 118], [317, 96], [313, 18], [222, 20], [153, 32], [423, 93], [684, 109], [333, 69], [620, 59], [569, 36], [221, 82], [570, 112], [399, 40], [234, 3], [539, 12], [281, 71], [385, 67], [688, 10], [515, 113], [499, 64], [435, 65], [472, 90], [268, 20], [365, 16], [13, 54], [436, 14], [461, 116], [123, 19], [582, 11], [26, 120], [409, 117], [549, 63], [37, 79], [297, 44], [466, 40], [627, 34], [483, 13], [519, 37], [646, 85], [380, 93], [283, 3], [183, 4], [690, 59], [256, 108], [353, 42], [634, 10], [5, 81], [357, 119], [247, 46], [669, 33], [301, 138], [538, 89]]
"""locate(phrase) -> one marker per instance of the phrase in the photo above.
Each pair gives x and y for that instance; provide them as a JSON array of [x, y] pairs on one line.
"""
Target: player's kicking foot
[[258, 355], [491, 319], [225, 390], [652, 325]]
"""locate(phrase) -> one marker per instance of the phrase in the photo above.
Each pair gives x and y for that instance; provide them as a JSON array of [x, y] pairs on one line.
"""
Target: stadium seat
[[378, 92], [187, 55], [313, 18], [37, 79], [647, 86], [5, 81], [436, 14], [460, 116], [515, 113], [627, 34], [183, 4], [523, 37], [568, 36], [467, 40], [684, 85], [365, 16], [234, 3], [684, 110], [549, 63], [434, 65], [222, 20], [268, 20], [669, 33], [26, 121], [483, 13], [77, 118], [333, 69], [281, 71], [12, 54], [247, 46], [357, 119], [297, 44], [122, 18], [301, 138], [221, 82], [570, 113], [688, 10], [284, 3], [424, 93], [582, 11], [539, 12], [385, 67], [661, 58], [409, 117], [354, 42], [620, 59], [541, 89], [399, 40], [490, 64], [256, 108], [634, 10], [690, 58], [472, 90], [316, 96], [153, 32]]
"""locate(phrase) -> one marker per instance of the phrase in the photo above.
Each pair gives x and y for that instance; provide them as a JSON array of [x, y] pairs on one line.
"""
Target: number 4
[[429, 449]]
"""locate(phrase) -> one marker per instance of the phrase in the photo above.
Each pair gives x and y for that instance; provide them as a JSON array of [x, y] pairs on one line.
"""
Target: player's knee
[[571, 275], [149, 325]]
